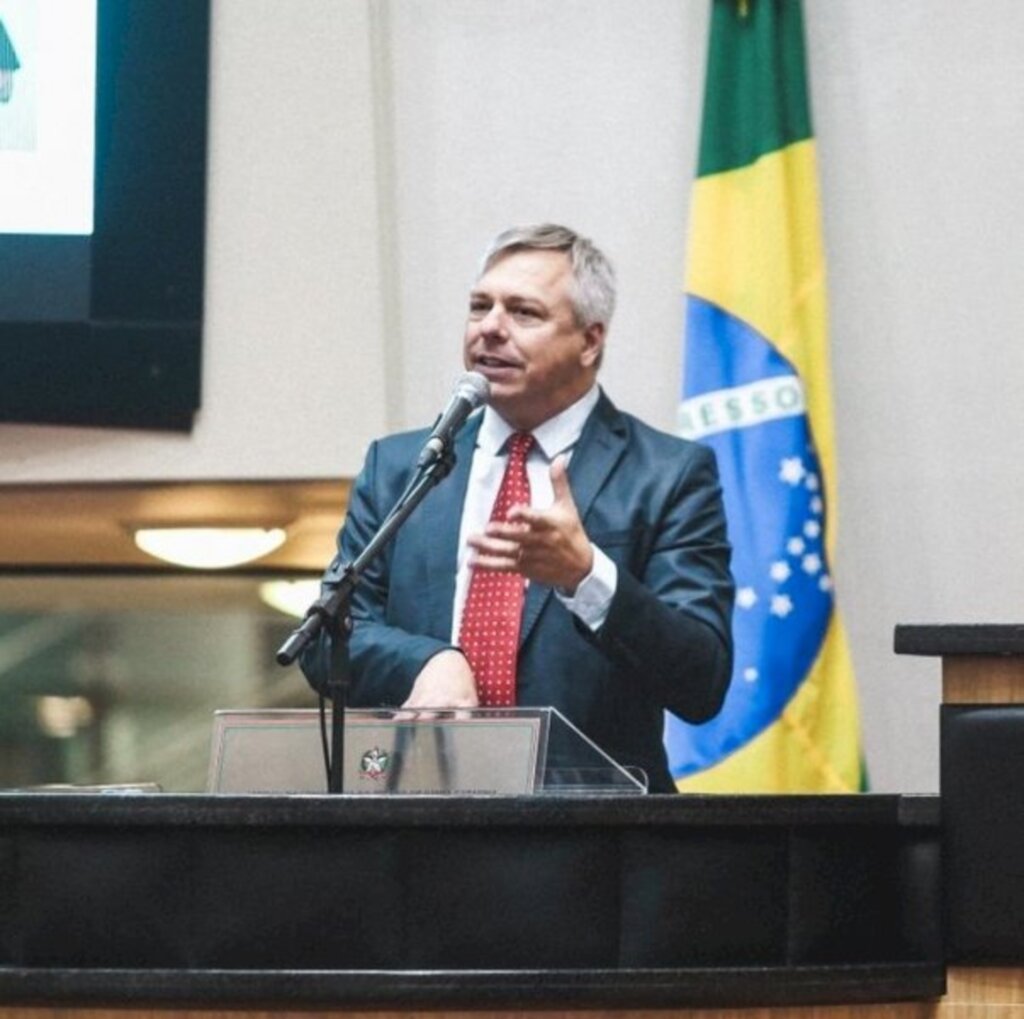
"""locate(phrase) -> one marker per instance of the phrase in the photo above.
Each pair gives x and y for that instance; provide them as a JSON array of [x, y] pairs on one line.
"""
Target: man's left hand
[[548, 546]]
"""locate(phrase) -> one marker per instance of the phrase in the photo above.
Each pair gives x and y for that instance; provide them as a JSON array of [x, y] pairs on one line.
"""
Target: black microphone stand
[[332, 611]]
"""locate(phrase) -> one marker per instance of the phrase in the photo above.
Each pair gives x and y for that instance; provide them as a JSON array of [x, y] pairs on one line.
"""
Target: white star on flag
[[812, 482], [812, 529], [750, 675], [780, 571], [795, 546], [746, 597], [791, 470], [811, 563], [825, 582], [817, 506], [782, 605]]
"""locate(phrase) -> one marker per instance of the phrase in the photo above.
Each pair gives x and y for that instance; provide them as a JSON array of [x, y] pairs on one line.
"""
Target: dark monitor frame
[[135, 359]]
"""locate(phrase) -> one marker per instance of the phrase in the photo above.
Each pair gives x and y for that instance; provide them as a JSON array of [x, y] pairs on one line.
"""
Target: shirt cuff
[[593, 596]]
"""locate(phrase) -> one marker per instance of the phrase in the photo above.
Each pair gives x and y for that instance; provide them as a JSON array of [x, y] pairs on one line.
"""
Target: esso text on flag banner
[[741, 406]]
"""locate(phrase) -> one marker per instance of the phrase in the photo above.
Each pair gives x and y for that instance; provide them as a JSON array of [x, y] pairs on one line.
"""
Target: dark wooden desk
[[418, 903]]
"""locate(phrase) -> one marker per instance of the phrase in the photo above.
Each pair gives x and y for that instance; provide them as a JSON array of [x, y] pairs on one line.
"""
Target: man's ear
[[593, 344]]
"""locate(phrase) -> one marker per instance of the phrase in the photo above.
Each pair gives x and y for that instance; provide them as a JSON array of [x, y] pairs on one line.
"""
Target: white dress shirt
[[558, 435]]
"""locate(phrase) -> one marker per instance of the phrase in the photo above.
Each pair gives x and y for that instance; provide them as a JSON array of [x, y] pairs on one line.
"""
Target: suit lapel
[[601, 445], [440, 530]]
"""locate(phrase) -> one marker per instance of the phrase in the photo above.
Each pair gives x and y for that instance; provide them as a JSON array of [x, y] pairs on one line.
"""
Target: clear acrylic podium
[[483, 751]]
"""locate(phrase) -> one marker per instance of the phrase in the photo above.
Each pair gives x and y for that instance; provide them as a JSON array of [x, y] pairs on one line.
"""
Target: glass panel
[[114, 679], [495, 751]]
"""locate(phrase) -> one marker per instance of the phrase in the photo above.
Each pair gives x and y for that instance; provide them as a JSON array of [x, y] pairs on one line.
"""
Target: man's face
[[523, 337]]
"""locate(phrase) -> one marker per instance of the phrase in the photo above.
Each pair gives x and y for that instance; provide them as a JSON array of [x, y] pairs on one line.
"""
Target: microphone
[[472, 390]]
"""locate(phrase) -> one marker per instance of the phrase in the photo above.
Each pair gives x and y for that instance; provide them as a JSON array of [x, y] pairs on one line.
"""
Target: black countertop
[[960, 639], [284, 811]]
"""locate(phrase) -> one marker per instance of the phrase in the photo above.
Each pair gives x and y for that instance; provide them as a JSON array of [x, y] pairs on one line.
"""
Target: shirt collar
[[556, 435]]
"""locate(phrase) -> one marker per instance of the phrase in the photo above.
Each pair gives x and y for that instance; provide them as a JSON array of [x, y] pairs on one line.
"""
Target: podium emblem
[[375, 763]]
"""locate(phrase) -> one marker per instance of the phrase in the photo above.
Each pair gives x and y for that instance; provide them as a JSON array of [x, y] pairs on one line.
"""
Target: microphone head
[[473, 388]]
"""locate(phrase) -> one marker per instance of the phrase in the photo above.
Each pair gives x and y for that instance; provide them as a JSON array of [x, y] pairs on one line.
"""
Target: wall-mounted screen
[[103, 119]]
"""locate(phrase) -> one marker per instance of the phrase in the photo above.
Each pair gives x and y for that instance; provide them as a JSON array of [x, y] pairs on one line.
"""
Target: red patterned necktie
[[489, 632]]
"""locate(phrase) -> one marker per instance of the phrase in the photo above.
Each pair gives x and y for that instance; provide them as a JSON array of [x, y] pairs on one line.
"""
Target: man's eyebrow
[[507, 299]]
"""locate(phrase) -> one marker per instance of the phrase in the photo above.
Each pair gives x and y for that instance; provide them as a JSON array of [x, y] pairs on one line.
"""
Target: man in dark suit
[[623, 546]]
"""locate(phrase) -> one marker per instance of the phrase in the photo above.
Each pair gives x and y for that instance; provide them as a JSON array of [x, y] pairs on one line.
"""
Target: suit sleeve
[[385, 660], [669, 627]]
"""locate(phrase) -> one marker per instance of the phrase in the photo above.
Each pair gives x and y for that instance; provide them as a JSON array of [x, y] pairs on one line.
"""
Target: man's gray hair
[[593, 289]]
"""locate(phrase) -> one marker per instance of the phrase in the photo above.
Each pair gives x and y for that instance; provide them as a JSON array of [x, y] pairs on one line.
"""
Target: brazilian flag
[[756, 389]]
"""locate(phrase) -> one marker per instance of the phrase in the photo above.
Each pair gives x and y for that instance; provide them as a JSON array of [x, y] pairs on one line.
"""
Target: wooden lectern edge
[[981, 664], [976, 679]]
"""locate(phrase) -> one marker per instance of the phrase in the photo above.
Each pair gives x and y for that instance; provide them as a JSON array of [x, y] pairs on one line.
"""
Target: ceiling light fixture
[[209, 548]]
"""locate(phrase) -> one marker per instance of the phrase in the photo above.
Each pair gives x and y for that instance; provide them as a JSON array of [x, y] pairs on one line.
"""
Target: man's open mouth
[[489, 361]]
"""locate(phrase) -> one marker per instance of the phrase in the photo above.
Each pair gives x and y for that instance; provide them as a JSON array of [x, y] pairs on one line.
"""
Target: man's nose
[[493, 323]]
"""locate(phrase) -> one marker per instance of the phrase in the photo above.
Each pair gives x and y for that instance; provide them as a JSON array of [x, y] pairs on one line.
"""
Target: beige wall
[[355, 177]]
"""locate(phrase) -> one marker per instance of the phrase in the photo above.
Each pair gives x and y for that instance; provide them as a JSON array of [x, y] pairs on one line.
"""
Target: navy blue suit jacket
[[650, 501]]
